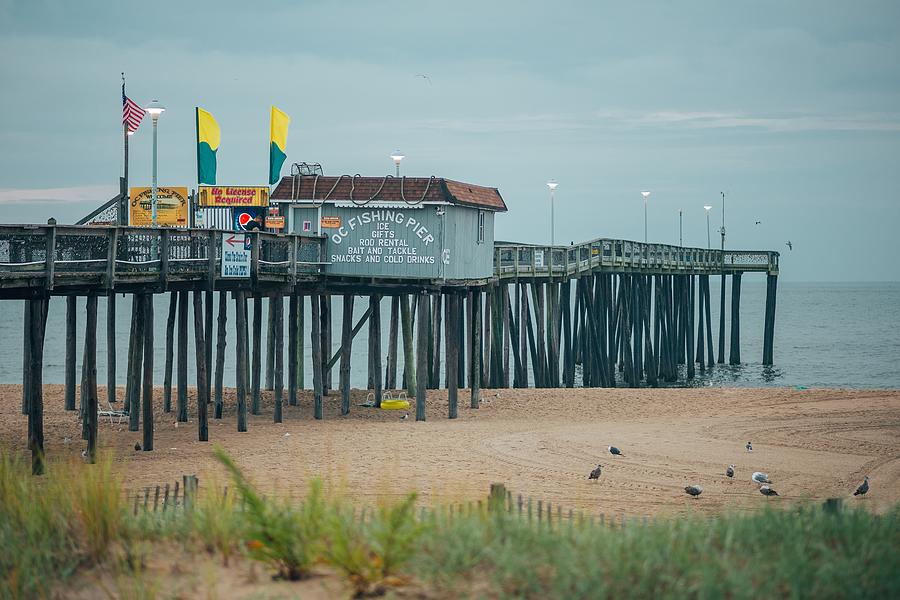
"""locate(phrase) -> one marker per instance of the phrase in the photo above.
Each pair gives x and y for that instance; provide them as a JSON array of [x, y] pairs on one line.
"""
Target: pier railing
[[527, 260], [61, 254]]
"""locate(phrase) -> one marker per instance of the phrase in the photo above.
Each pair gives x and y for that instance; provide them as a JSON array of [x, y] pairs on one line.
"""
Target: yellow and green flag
[[208, 136], [278, 130]]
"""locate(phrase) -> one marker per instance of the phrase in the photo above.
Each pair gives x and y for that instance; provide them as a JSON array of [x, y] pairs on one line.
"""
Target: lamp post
[[155, 109], [552, 185], [722, 231], [646, 195], [707, 208], [397, 156], [680, 228]]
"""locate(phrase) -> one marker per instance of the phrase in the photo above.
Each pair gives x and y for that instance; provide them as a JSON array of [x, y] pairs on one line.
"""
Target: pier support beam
[[453, 355], [375, 305], [292, 350], [170, 352], [134, 413], [316, 341], [37, 313], [326, 342], [71, 322], [200, 333], [256, 351], [147, 380], [270, 344], [110, 349], [421, 366], [181, 358], [240, 362], [221, 334], [390, 375], [434, 348], [409, 353], [721, 358], [346, 347], [769, 325], [734, 356], [279, 357], [91, 415], [475, 302]]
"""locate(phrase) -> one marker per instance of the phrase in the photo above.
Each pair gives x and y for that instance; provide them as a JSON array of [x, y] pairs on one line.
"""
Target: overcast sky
[[792, 109]]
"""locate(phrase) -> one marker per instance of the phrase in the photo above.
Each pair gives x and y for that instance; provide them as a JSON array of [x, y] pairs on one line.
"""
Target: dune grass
[[75, 518]]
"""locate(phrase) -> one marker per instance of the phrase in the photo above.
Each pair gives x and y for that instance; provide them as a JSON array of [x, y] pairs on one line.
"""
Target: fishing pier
[[464, 310]]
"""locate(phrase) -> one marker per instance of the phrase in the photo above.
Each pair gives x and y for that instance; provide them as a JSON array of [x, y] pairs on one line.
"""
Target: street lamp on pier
[[154, 109], [707, 208], [646, 195], [397, 156], [552, 186]]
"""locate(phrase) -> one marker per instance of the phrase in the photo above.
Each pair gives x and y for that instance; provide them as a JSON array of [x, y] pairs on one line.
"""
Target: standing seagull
[[758, 477], [615, 451], [767, 491], [595, 474], [729, 472], [863, 489], [693, 490], [749, 447]]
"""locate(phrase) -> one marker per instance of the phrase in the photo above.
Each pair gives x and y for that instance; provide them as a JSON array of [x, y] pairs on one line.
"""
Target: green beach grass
[[75, 518]]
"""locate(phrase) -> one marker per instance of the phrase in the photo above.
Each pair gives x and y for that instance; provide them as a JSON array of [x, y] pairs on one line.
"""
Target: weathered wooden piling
[[256, 350], [689, 325], [240, 367], [292, 350], [301, 359], [475, 301], [346, 348], [279, 356], [134, 413], [325, 316], [420, 385], [721, 358], [434, 347], [375, 317], [453, 355], [270, 346], [71, 321], [700, 356], [147, 381], [708, 310], [37, 320], [769, 324], [170, 352], [26, 358], [221, 334], [181, 359], [734, 356], [316, 341], [200, 332], [411, 361], [390, 375]]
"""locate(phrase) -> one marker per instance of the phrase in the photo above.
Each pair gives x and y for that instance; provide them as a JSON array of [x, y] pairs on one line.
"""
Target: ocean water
[[826, 335]]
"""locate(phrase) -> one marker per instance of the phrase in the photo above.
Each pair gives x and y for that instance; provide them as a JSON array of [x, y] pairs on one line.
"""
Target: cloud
[[60, 195]]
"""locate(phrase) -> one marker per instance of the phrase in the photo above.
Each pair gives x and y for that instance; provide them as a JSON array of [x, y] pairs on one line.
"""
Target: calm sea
[[826, 334]]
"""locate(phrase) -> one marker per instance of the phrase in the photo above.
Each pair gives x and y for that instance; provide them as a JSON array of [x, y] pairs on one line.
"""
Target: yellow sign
[[330, 222], [228, 195], [275, 222], [171, 207]]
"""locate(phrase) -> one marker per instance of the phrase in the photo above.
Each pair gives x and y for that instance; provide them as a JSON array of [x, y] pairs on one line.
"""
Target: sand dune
[[542, 443]]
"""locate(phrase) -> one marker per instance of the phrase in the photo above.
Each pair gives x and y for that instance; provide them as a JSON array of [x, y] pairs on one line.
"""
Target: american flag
[[132, 113]]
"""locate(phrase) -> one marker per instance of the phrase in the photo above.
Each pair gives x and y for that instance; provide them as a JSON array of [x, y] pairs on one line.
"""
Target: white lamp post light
[[552, 186], [397, 156], [707, 208], [646, 195], [154, 109]]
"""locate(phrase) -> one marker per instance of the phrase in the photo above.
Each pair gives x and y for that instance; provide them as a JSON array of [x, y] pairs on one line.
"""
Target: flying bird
[[729, 472], [425, 77], [749, 447], [767, 491], [615, 451], [758, 222], [693, 490], [789, 245], [759, 477], [595, 474], [863, 489]]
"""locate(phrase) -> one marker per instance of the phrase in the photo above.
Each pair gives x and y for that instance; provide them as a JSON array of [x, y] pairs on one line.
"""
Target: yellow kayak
[[395, 404]]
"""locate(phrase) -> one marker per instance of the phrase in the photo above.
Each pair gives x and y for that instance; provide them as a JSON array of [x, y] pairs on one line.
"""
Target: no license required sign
[[236, 255]]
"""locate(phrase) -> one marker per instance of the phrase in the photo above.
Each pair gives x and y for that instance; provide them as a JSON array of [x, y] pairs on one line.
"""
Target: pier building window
[[480, 226]]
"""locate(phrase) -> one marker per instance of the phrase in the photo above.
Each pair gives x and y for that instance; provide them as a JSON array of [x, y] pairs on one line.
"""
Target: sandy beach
[[814, 444]]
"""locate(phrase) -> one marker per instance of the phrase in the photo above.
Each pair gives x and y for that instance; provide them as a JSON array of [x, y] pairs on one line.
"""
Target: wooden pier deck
[[638, 314]]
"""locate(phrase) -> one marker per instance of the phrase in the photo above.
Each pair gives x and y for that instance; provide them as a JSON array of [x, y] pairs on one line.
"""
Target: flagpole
[[122, 216]]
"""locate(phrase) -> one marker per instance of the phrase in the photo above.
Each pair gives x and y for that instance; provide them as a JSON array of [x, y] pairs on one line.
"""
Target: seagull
[[595, 474], [84, 454], [767, 491], [615, 451], [863, 489], [749, 447], [425, 77], [404, 417], [137, 446], [729, 472], [693, 490], [789, 245], [759, 477], [175, 423]]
